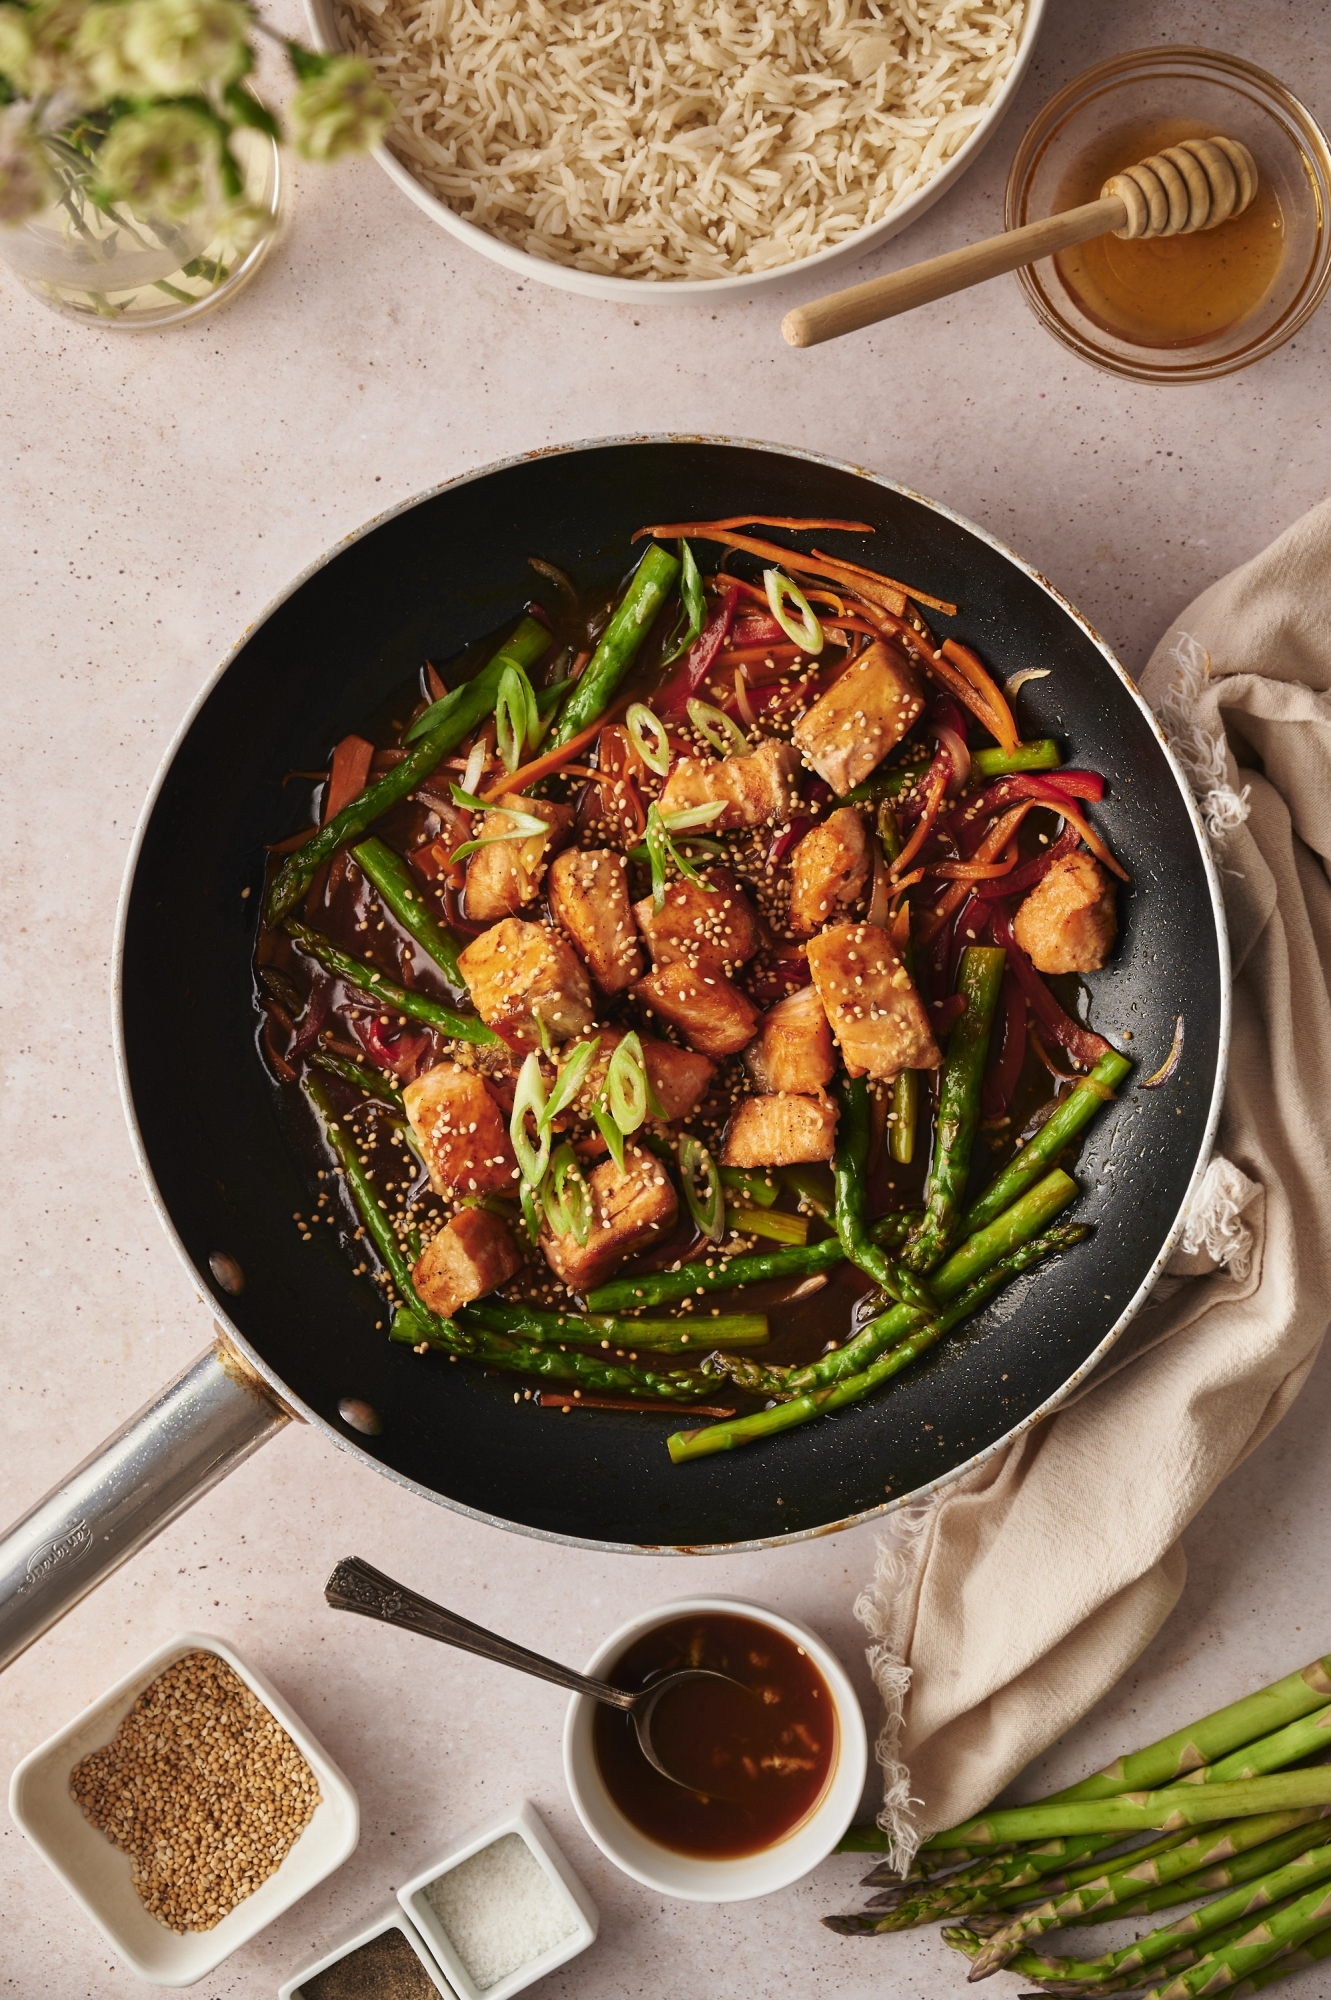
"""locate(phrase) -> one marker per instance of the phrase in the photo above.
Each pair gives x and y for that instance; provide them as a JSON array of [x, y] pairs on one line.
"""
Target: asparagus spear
[[603, 1330], [1293, 1959], [958, 1119], [1042, 754], [554, 1364], [1229, 1837], [1172, 1807], [1230, 1962], [1063, 1124], [1306, 1737], [388, 872], [384, 992], [850, 1171], [456, 716], [652, 583], [684, 1445], [720, 1274], [373, 1081], [1188, 1871]]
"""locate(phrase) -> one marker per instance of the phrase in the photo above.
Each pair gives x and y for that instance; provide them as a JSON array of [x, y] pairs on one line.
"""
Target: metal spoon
[[356, 1585]]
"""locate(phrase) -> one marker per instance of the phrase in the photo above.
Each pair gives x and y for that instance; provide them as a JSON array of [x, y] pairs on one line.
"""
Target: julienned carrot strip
[[906, 589], [741, 656], [349, 775], [965, 692], [941, 772], [864, 583], [555, 760], [974, 871], [973, 667], [993, 844], [1090, 836]]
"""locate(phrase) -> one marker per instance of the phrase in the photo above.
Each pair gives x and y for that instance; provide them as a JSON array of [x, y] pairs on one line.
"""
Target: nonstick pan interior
[[424, 582]]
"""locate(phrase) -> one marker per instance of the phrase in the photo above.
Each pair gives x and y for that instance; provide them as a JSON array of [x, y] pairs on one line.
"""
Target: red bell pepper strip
[[400, 1055], [673, 699], [1080, 1043]]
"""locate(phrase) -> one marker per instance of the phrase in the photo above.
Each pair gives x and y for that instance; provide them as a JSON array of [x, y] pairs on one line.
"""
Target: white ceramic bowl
[[391, 1920], [581, 1909], [322, 19], [700, 1879], [97, 1874]]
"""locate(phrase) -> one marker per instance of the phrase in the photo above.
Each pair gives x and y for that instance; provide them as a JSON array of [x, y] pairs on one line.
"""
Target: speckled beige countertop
[[158, 491]]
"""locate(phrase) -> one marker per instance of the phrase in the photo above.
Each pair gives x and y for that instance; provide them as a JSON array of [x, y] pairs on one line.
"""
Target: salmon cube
[[780, 1131], [506, 874], [678, 1077], [710, 1012], [755, 791], [589, 899], [471, 1255], [792, 1049], [1068, 922], [521, 974], [861, 717], [461, 1131], [712, 929], [829, 868], [870, 1001], [630, 1212]]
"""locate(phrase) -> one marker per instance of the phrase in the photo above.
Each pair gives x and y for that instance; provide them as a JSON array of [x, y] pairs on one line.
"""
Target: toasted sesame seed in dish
[[689, 942], [680, 143]]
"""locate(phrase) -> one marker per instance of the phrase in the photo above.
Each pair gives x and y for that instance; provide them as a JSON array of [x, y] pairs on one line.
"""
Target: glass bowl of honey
[[1190, 307]]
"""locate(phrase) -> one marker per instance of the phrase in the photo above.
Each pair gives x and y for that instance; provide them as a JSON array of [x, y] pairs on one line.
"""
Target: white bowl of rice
[[669, 149]]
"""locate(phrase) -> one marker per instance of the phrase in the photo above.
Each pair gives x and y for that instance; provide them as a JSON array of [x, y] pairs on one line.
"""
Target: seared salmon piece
[[712, 929], [862, 716], [505, 876], [779, 1131], [792, 1049], [828, 869], [589, 899], [870, 1001], [757, 790], [630, 1212], [710, 1012], [1068, 922], [461, 1131], [472, 1254], [519, 974]]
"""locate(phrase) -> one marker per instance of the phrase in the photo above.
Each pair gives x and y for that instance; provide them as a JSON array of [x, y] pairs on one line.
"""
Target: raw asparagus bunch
[[1241, 1777]]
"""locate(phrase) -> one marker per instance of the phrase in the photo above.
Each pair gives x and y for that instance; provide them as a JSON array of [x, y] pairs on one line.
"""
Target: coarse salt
[[500, 1910]]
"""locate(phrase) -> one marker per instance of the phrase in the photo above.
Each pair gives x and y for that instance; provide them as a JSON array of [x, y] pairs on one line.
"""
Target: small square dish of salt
[[502, 1908]]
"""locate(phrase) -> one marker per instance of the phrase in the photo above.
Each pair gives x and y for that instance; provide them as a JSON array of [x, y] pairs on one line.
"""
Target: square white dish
[[388, 1920], [98, 1875], [525, 1822]]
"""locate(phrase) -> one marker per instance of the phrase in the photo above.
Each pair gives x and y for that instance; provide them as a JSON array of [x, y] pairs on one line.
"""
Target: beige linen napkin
[[1003, 1609]]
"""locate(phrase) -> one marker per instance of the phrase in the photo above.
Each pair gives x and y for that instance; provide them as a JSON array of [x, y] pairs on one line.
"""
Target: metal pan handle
[[179, 1444]]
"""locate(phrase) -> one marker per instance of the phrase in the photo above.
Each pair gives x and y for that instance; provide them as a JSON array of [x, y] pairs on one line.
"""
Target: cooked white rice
[[669, 139]]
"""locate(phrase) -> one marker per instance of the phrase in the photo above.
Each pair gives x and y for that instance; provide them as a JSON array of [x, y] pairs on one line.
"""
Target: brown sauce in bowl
[[771, 1752]]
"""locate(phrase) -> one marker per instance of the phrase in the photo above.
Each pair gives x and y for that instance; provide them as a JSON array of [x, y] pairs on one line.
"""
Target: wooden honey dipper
[[1194, 185]]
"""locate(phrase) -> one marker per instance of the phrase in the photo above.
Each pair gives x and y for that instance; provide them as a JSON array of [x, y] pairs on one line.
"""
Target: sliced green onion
[[661, 849], [694, 614], [708, 1208], [692, 816], [568, 1199], [531, 1214], [808, 633], [626, 1085], [719, 729], [517, 718], [612, 1135], [750, 1186], [774, 1223], [549, 698], [570, 1081], [649, 738], [530, 1096], [523, 825]]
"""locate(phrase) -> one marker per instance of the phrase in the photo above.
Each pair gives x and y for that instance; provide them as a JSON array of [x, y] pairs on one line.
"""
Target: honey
[[1170, 291]]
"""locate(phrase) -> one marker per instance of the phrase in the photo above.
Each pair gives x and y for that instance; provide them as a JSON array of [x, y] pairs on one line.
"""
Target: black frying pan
[[424, 582]]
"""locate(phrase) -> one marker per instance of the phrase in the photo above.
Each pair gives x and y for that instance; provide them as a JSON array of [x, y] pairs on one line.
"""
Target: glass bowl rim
[[1219, 67]]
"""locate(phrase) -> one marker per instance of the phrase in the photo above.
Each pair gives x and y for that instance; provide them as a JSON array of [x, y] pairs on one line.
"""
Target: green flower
[[26, 184], [50, 61], [166, 48], [338, 109], [161, 161]]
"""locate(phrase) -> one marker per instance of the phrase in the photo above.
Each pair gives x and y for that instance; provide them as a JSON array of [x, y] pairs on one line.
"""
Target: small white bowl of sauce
[[787, 1761]]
